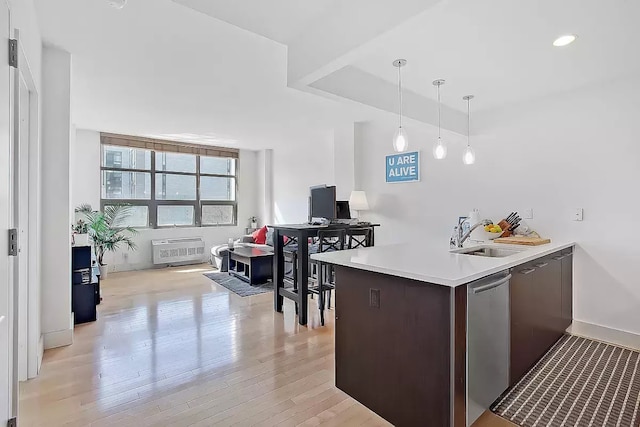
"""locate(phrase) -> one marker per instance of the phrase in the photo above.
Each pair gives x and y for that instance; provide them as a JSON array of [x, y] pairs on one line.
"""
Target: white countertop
[[434, 263]]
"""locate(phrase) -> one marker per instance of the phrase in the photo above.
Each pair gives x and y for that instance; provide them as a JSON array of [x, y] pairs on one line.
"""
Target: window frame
[[152, 203]]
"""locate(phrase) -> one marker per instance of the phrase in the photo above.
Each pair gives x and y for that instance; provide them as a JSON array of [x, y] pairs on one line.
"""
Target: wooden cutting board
[[529, 241]]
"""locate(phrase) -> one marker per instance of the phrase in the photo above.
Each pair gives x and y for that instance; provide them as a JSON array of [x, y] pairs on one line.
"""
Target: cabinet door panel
[[540, 306], [522, 321], [548, 304], [364, 338], [567, 289], [392, 345]]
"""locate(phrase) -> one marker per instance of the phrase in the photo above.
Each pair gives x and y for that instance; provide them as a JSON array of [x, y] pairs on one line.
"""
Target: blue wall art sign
[[404, 167]]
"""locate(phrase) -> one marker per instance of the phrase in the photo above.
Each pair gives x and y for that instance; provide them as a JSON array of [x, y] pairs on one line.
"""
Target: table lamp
[[358, 201]]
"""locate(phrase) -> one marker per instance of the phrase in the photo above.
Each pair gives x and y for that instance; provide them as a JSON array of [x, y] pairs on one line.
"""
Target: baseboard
[[606, 334], [116, 268], [58, 338]]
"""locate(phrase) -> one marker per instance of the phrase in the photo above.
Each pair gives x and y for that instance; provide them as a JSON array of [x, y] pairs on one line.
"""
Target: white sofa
[[220, 253]]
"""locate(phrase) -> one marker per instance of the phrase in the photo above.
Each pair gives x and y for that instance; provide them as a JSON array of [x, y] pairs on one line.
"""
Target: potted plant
[[254, 221], [80, 236], [108, 230]]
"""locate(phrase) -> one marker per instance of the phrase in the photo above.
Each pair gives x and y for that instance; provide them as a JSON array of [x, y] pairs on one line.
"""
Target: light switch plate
[[528, 213], [578, 214]]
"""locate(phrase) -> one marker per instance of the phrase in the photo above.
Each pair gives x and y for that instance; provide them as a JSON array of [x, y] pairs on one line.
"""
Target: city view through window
[[167, 189]]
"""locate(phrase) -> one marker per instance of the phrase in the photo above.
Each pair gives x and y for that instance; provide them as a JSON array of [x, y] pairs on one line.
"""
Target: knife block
[[506, 232]]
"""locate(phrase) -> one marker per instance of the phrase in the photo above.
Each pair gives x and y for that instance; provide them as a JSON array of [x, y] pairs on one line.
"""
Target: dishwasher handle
[[491, 285]]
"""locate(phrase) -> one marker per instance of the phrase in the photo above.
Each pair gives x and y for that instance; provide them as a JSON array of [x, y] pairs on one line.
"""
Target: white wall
[[86, 189], [579, 149], [85, 169], [25, 20], [344, 160], [304, 163], [57, 140]]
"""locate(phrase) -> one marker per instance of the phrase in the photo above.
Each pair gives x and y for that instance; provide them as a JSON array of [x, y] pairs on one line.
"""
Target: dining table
[[300, 234]]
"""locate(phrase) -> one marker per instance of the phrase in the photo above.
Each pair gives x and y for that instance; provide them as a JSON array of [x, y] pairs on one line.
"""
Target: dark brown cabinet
[[401, 345], [548, 300], [392, 345], [523, 320], [541, 309], [566, 260]]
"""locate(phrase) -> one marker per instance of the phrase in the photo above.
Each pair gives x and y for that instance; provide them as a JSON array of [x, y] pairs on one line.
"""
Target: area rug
[[238, 286], [579, 382]]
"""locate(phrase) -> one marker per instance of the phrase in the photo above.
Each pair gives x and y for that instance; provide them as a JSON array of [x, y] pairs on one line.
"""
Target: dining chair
[[328, 241], [359, 237]]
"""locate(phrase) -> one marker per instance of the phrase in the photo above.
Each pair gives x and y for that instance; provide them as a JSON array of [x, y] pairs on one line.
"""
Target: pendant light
[[400, 139], [440, 148], [469, 156]]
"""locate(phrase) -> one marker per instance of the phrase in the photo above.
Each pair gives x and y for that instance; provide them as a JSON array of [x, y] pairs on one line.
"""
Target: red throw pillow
[[260, 236]]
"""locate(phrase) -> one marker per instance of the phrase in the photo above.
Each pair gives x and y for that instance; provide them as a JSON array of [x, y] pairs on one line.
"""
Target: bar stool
[[328, 241], [359, 237]]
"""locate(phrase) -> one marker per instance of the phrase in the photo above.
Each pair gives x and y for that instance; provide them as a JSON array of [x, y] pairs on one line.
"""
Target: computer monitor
[[323, 202], [342, 209]]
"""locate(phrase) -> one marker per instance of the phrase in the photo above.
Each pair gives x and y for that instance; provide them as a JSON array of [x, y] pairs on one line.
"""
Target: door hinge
[[13, 422], [13, 53], [13, 242]]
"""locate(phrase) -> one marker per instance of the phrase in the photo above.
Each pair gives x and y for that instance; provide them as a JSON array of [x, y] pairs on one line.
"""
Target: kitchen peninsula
[[427, 336]]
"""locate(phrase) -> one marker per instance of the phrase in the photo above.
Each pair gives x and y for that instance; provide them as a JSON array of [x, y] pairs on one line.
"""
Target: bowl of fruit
[[492, 231]]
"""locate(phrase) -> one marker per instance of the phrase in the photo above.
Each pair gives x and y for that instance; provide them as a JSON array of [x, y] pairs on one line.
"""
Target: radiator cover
[[178, 250]]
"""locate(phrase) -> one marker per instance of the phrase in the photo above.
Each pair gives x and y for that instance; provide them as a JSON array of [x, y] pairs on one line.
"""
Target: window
[[170, 189]]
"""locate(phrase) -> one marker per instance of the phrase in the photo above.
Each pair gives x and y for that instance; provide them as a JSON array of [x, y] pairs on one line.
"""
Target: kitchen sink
[[488, 251]]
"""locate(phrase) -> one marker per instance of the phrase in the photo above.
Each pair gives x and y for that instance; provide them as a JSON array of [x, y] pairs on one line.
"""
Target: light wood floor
[[171, 348]]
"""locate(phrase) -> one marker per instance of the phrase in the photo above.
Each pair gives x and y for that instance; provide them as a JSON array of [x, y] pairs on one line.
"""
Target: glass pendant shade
[[400, 140], [439, 150], [469, 156]]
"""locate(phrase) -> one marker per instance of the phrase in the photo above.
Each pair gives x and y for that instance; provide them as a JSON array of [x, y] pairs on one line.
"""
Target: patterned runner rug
[[579, 382]]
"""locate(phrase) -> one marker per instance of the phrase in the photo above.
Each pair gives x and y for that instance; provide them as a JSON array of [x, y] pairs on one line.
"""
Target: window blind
[[167, 146]]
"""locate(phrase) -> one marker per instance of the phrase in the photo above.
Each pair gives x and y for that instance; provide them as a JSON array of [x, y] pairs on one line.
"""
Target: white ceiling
[[501, 50], [279, 20], [224, 72], [158, 68]]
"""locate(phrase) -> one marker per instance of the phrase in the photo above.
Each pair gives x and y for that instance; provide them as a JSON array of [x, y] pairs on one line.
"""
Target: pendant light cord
[[439, 111], [400, 92], [468, 122]]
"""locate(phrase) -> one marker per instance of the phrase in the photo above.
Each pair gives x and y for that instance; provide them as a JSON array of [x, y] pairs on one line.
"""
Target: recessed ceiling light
[[117, 4], [565, 40]]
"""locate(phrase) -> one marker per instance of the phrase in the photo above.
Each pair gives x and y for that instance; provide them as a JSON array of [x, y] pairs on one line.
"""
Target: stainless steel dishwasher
[[488, 338]]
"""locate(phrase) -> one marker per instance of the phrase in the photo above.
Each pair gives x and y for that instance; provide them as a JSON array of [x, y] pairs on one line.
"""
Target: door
[[6, 371], [26, 220], [22, 139]]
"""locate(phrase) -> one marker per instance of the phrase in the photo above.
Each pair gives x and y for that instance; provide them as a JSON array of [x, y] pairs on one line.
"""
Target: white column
[[344, 160], [57, 140], [265, 186]]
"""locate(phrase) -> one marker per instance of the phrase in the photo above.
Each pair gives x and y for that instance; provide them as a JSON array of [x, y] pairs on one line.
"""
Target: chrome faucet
[[458, 238]]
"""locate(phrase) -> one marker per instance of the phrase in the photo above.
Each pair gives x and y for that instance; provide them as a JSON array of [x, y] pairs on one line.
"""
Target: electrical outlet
[[528, 213], [125, 257], [374, 298], [578, 214]]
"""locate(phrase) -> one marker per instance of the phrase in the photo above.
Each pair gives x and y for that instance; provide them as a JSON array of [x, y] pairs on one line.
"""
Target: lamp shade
[[358, 201]]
